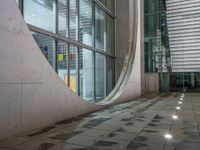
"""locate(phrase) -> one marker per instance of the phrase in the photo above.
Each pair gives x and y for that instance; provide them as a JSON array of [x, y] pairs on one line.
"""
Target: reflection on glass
[[62, 61], [17, 1], [86, 74], [110, 74], [63, 17], [41, 13], [108, 3], [164, 82], [157, 50], [100, 29], [110, 35], [100, 73], [185, 80], [73, 57], [74, 19], [47, 46], [96, 30], [86, 22]]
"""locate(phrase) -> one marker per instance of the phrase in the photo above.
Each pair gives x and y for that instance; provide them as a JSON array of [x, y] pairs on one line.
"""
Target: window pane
[[100, 29], [86, 22], [41, 13], [108, 3], [86, 74], [100, 76], [47, 46], [74, 19], [74, 68], [63, 17], [110, 35], [17, 1], [110, 74], [62, 61]]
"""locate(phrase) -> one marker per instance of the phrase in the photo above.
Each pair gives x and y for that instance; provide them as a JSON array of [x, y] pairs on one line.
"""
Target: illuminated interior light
[[178, 108], [175, 117], [168, 136]]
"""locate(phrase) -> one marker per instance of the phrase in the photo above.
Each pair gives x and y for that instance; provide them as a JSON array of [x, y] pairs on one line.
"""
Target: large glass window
[[74, 19], [62, 61], [73, 57], [100, 28], [86, 74], [63, 17], [110, 35], [47, 46], [41, 13], [110, 76], [100, 76], [157, 50], [70, 34], [86, 22], [108, 3]]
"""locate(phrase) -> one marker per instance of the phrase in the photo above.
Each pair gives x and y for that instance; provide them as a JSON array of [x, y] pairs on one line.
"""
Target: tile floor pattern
[[136, 125]]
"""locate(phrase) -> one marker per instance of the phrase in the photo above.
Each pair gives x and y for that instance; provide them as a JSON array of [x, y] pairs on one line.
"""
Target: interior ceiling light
[[168, 136], [175, 117], [178, 108]]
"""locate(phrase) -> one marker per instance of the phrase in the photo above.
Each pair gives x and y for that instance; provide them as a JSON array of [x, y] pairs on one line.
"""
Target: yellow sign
[[60, 57]]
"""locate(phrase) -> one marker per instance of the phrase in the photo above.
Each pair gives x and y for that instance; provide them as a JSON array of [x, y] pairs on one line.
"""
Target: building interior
[[100, 75]]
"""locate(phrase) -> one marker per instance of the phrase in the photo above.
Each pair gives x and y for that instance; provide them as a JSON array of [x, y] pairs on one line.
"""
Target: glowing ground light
[[181, 99], [178, 108], [168, 136], [175, 117], [180, 102]]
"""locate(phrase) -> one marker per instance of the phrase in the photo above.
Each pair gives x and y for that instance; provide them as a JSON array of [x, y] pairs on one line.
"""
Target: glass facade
[[109, 4], [77, 38], [86, 62], [73, 61], [100, 75], [41, 13], [47, 46], [63, 16], [86, 23], [157, 50], [63, 61], [100, 30], [73, 19], [170, 44]]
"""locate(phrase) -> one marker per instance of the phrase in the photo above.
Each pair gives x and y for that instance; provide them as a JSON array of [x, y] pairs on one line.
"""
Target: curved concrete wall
[[31, 94]]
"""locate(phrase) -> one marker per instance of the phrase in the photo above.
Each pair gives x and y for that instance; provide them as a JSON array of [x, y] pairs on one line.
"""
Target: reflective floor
[[169, 121]]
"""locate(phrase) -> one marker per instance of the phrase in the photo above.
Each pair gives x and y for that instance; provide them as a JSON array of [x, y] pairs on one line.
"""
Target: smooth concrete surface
[[135, 83], [32, 96], [142, 124], [122, 34], [152, 83]]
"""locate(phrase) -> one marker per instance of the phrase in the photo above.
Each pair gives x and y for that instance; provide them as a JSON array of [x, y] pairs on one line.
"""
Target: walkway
[[157, 123]]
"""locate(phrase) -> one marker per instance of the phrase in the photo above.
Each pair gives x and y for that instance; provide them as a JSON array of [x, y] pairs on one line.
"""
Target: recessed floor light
[[180, 102], [178, 108], [181, 99], [168, 136], [175, 117]]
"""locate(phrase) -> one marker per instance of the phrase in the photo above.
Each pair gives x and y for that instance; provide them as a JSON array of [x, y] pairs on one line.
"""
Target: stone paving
[[143, 124]]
